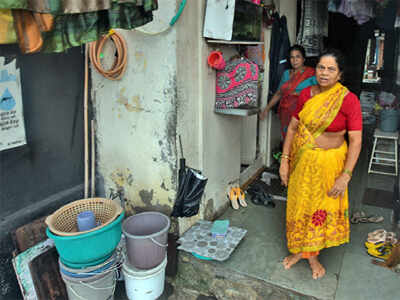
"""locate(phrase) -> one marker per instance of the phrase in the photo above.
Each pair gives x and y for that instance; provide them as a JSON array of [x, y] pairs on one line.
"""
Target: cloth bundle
[[237, 85], [56, 25]]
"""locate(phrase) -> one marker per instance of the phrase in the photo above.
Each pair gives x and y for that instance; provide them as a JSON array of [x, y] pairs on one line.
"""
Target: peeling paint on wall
[[134, 107], [138, 126], [121, 178]]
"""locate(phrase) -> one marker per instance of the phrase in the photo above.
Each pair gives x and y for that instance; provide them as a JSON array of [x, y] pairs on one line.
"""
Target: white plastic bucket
[[98, 287], [144, 284]]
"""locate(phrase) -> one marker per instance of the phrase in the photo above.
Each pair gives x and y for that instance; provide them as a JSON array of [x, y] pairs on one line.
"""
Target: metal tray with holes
[[198, 239]]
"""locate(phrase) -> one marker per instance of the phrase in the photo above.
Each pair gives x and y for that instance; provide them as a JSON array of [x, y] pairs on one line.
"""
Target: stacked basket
[[92, 249]]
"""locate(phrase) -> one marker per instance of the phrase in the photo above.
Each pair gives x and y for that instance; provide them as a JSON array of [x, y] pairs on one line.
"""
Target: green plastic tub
[[88, 249]]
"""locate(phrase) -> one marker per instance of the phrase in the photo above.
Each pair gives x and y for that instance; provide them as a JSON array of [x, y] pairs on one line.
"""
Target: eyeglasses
[[331, 70]]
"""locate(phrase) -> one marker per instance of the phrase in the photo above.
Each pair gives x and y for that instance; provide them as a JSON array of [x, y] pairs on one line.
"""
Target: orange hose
[[118, 68]]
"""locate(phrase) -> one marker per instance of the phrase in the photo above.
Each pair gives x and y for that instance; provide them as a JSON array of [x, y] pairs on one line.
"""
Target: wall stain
[[164, 187], [123, 100], [141, 59], [146, 196], [122, 177], [209, 210]]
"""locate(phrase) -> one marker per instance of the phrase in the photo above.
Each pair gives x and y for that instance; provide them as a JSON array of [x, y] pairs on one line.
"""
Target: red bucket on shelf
[[216, 60]]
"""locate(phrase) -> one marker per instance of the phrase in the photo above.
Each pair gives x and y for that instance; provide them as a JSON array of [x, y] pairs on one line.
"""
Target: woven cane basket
[[63, 221]]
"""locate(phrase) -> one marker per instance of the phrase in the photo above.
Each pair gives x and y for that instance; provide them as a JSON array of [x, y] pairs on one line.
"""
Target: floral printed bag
[[237, 85]]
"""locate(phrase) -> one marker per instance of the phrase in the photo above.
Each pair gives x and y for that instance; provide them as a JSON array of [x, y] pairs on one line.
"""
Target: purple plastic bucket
[[146, 239]]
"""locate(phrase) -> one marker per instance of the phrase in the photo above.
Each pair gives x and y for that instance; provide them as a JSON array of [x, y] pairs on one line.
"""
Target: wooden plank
[[43, 269], [46, 276], [29, 235]]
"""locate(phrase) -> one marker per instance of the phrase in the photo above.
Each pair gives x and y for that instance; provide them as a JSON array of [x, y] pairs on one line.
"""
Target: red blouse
[[349, 116]]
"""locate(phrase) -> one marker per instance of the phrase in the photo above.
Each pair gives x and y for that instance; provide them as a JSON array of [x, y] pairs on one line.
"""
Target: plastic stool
[[387, 158]]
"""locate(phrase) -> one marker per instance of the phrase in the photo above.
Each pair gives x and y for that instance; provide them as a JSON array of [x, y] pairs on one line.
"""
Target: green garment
[[77, 29]]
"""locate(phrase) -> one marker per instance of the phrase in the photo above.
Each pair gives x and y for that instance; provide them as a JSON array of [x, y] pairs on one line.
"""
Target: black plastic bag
[[190, 192]]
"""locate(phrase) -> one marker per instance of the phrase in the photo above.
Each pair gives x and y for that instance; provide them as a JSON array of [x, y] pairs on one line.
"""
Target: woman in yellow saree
[[317, 164]]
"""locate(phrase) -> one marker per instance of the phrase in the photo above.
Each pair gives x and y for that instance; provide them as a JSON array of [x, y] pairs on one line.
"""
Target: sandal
[[380, 252], [377, 236], [241, 197], [376, 232], [233, 197], [372, 219], [357, 217], [391, 238], [369, 245]]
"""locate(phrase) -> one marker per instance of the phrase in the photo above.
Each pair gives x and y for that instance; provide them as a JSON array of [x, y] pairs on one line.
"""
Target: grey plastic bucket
[[389, 120], [98, 287], [146, 239]]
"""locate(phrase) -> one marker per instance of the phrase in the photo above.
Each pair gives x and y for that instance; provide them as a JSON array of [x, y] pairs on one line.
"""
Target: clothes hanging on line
[[47, 30], [361, 10], [313, 26], [69, 6]]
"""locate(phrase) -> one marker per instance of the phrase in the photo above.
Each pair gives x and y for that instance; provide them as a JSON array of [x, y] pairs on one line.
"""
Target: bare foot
[[291, 260], [318, 271]]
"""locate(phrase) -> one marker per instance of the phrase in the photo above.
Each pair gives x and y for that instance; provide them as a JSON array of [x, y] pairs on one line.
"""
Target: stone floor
[[254, 270]]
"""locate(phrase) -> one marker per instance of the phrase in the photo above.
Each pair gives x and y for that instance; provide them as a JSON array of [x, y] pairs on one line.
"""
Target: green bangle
[[348, 172]]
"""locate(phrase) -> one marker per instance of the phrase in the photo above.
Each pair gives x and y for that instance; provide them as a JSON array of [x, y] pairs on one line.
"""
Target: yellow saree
[[313, 219]]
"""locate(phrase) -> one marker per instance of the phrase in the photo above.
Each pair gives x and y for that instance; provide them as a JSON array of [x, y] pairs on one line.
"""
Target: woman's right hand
[[284, 171], [263, 114]]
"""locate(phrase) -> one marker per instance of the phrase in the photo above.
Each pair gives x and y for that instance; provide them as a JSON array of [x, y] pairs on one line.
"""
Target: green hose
[[178, 14]]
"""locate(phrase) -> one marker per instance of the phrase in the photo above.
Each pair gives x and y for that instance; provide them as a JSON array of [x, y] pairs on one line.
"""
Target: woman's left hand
[[340, 186]]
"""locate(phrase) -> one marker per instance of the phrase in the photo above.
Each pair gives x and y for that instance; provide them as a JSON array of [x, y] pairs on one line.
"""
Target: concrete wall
[[136, 119], [211, 141], [167, 91]]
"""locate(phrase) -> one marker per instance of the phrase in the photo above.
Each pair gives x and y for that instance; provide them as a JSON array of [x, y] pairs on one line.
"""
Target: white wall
[[211, 142], [136, 118]]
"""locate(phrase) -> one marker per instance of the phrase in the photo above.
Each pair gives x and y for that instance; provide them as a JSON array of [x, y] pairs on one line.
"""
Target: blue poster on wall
[[12, 127]]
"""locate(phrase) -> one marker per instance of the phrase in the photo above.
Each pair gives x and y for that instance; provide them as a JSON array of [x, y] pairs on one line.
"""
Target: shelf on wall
[[241, 112], [234, 42]]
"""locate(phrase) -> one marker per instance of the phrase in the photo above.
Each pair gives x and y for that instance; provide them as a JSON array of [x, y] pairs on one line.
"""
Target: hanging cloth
[[7, 30], [69, 6], [29, 27], [279, 51], [313, 26]]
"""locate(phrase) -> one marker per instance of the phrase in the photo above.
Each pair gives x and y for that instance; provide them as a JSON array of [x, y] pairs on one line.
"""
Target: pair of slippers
[[236, 196], [361, 217], [258, 194]]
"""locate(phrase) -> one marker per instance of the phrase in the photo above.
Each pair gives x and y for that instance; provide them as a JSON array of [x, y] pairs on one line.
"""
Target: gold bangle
[[285, 156], [348, 172]]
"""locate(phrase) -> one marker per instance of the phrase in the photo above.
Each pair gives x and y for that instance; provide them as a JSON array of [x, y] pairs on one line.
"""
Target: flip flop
[[375, 232], [357, 217], [391, 238], [377, 236], [241, 197], [233, 197], [373, 245], [382, 253], [372, 219]]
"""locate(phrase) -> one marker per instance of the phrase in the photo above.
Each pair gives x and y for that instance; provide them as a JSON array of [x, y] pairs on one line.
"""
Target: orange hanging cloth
[[29, 26]]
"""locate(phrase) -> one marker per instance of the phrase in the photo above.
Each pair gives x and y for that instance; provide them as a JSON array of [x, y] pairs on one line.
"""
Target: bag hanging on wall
[[237, 85]]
